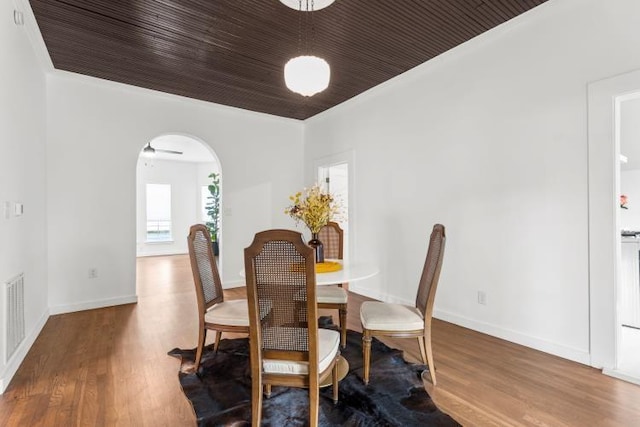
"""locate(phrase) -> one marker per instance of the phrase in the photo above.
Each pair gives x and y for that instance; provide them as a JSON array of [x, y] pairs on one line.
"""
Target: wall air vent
[[14, 309]]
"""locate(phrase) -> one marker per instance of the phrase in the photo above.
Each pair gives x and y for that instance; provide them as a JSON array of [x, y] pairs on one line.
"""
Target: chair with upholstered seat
[[334, 297], [213, 311], [287, 348], [403, 321]]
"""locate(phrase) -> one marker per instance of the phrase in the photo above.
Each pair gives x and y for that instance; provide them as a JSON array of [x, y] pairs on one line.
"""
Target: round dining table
[[349, 273]]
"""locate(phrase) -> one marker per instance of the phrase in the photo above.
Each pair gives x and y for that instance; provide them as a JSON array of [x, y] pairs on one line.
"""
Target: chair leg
[[202, 337], [422, 349], [217, 343], [335, 382], [267, 390], [314, 402], [432, 368], [343, 326], [366, 354], [256, 401]]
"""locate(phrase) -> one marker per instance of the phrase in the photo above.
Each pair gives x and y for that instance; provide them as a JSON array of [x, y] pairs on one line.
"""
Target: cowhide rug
[[221, 391]]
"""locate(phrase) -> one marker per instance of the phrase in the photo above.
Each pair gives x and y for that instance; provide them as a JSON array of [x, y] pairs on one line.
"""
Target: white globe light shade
[[307, 75]]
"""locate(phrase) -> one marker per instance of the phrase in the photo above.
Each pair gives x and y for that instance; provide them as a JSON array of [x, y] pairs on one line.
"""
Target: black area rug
[[221, 392]]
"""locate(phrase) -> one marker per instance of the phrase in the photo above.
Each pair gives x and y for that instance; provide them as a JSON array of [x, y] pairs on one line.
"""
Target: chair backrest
[[331, 236], [281, 293], [431, 272], [204, 268]]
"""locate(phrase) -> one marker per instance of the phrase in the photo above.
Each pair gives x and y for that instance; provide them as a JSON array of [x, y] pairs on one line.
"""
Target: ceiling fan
[[150, 151]]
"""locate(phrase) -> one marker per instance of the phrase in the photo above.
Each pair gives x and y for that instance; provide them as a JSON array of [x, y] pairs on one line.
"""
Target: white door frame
[[603, 187], [347, 157]]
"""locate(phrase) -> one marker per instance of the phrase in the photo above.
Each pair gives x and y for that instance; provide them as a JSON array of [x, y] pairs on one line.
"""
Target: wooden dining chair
[[213, 311], [334, 297], [403, 321], [287, 348]]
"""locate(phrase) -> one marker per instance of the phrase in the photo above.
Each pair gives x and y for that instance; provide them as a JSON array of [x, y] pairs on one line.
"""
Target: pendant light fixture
[[307, 74]]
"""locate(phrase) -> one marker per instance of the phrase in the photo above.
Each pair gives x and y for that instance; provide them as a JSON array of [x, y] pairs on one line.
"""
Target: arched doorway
[[172, 178]]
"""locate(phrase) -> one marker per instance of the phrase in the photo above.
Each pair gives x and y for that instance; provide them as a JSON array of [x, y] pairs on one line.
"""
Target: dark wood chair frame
[[424, 302], [260, 379], [204, 304], [335, 252]]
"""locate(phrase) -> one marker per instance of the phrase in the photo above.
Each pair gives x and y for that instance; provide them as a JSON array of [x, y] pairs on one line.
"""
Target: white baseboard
[[380, 296], [577, 355], [17, 358], [228, 284], [571, 353], [90, 305], [621, 375]]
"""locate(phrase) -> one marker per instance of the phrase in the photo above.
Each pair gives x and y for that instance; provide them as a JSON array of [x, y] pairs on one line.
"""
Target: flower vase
[[316, 244]]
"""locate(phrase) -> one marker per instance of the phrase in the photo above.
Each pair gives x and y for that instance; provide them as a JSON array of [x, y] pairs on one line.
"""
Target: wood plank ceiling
[[232, 52]]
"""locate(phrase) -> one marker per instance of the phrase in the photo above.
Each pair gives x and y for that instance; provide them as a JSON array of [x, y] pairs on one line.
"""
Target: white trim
[[117, 86], [90, 305], [380, 296], [621, 376], [571, 353], [161, 253], [233, 284], [537, 14], [18, 357]]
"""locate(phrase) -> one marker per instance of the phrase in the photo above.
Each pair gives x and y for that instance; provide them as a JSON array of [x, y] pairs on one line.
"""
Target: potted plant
[[213, 210]]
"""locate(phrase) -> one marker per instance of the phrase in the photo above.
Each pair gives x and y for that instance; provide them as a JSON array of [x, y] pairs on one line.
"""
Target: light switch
[[18, 209]]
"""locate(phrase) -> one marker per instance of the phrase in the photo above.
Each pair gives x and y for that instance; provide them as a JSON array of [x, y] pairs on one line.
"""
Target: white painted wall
[[23, 239], [490, 140], [96, 130], [186, 179]]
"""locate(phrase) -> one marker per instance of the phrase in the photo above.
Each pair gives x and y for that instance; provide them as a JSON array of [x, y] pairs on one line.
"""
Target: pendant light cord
[[306, 46], [313, 28]]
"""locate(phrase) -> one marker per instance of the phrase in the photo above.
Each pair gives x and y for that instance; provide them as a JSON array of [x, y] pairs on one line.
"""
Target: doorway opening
[[335, 175], [335, 180], [604, 206], [172, 180], [628, 219]]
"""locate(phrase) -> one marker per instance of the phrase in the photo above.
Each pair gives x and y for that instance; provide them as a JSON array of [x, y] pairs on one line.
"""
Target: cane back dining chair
[[286, 346], [334, 297], [213, 311], [403, 321]]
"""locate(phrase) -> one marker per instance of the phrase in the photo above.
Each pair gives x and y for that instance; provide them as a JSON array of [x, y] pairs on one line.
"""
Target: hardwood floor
[[110, 367]]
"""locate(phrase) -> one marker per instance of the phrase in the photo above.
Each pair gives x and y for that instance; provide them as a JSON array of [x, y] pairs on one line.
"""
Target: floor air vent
[[14, 298]]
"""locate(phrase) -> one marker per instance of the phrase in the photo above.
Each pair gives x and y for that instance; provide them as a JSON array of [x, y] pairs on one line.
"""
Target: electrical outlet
[[482, 298], [93, 273]]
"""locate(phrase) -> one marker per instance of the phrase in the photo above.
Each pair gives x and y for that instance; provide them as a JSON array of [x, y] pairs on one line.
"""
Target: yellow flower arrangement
[[313, 207]]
